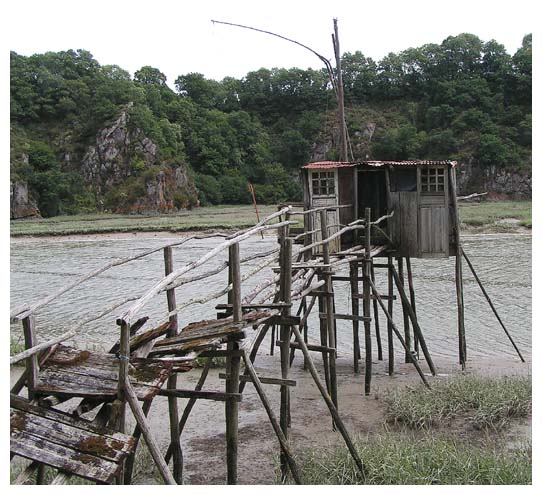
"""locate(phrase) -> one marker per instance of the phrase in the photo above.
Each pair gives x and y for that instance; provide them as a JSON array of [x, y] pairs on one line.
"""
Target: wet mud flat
[[203, 440], [38, 266]]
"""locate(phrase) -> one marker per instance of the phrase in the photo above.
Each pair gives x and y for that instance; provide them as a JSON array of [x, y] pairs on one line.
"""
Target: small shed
[[417, 192]]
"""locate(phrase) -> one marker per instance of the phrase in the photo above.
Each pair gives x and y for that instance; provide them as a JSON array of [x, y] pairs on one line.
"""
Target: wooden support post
[[190, 404], [172, 380], [29, 330], [285, 337], [233, 367], [354, 291], [124, 358], [391, 355], [147, 435], [272, 349], [412, 302], [458, 272], [414, 320], [283, 440], [491, 304], [377, 323], [329, 311], [398, 334], [119, 406], [406, 326], [332, 409], [367, 261], [323, 338], [130, 460]]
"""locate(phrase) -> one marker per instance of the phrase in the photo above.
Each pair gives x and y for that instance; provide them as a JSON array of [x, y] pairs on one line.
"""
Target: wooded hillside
[[87, 137]]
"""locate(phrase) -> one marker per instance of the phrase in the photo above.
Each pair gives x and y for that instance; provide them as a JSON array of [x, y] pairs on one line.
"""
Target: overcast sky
[[178, 37]]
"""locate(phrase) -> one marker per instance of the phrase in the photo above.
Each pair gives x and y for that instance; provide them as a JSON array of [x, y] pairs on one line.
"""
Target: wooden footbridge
[[92, 440]]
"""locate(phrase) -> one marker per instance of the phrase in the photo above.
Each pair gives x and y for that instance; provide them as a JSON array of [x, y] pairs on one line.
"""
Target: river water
[[503, 262]]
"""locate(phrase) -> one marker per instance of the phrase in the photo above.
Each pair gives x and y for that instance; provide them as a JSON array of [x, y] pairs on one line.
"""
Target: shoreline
[[168, 234]]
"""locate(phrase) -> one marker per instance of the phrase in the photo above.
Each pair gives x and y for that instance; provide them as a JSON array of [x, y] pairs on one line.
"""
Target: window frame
[[433, 181], [323, 183]]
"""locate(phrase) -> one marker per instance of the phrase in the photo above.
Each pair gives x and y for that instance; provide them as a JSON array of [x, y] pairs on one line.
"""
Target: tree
[[150, 75]]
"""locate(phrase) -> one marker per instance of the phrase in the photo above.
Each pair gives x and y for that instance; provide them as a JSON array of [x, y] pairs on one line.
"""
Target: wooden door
[[323, 192], [433, 212]]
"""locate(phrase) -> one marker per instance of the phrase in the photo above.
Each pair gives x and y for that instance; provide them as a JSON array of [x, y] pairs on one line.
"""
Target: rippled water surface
[[503, 263]]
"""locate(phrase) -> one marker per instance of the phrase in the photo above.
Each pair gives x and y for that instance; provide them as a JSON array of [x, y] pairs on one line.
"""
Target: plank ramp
[[71, 372], [206, 334], [72, 445]]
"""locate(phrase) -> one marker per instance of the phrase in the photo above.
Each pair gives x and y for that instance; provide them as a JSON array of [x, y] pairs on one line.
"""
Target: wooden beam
[[263, 379], [201, 394]]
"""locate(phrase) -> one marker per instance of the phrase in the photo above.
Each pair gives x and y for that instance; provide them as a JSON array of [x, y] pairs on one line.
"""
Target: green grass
[[207, 218], [15, 346], [491, 213], [485, 215], [400, 460], [487, 402]]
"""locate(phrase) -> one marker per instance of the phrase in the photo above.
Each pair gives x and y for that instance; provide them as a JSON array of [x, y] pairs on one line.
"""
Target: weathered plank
[[73, 372], [66, 443]]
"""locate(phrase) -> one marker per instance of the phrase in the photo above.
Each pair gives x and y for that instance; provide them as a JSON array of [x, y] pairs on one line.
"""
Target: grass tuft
[[488, 402], [399, 460]]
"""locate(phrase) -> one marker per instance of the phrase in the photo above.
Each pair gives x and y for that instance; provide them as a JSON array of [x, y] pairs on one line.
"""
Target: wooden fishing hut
[[421, 195], [362, 210]]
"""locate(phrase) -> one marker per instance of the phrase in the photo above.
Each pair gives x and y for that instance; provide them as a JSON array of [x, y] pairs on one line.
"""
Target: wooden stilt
[[285, 337], [330, 311], [458, 272], [354, 291], [377, 323], [398, 334], [29, 330], [323, 339], [413, 319], [285, 449], [332, 409], [391, 356], [130, 460], [172, 380], [233, 368], [412, 302], [406, 326], [491, 304], [272, 348], [191, 403], [149, 438], [367, 302]]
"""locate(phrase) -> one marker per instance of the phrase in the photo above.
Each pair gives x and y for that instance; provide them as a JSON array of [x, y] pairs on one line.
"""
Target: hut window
[[403, 180], [323, 183], [432, 180]]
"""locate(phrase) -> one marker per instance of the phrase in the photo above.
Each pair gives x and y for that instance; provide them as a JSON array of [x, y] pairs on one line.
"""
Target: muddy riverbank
[[203, 440], [41, 265]]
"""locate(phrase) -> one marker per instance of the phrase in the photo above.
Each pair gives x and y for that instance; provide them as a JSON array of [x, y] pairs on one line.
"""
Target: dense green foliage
[[464, 99]]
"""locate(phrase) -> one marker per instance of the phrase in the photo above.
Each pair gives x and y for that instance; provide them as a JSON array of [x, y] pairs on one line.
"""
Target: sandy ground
[[203, 440]]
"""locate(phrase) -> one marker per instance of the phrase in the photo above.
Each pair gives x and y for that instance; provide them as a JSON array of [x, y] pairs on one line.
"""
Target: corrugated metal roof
[[329, 165], [379, 163]]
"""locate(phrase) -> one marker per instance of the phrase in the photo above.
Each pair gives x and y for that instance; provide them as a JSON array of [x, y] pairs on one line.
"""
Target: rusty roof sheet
[[379, 163], [329, 165]]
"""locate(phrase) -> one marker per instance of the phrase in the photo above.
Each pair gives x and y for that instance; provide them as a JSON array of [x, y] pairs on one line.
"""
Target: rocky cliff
[[21, 205], [121, 152]]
